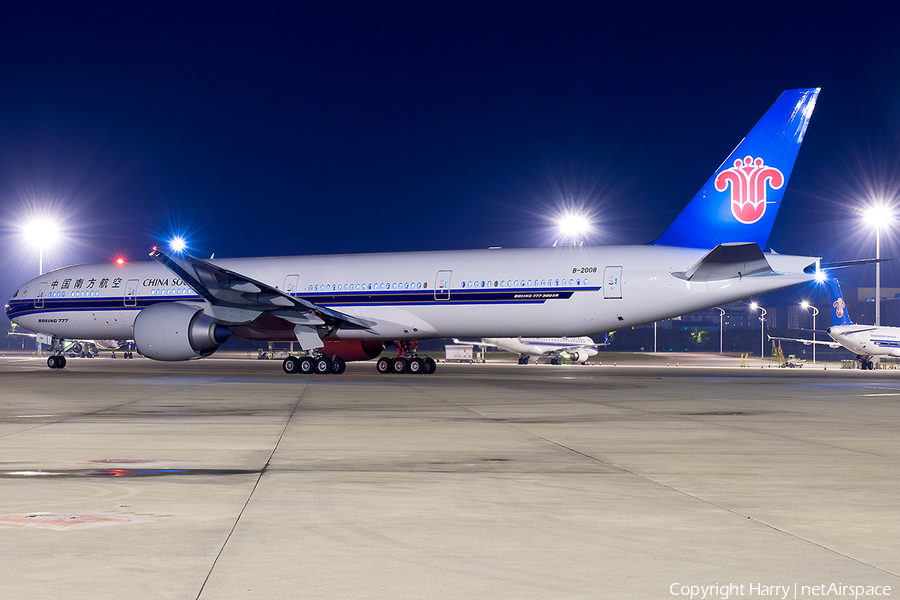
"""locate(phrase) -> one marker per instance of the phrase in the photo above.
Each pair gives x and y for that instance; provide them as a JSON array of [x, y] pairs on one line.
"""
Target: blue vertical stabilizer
[[741, 199], [839, 314]]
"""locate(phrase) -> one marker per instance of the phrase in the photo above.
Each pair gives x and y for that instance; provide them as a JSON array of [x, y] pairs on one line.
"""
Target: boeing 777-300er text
[[346, 307], [867, 342], [579, 349]]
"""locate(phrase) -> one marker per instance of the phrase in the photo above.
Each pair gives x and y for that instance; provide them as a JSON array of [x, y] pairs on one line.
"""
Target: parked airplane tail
[[839, 314], [741, 199]]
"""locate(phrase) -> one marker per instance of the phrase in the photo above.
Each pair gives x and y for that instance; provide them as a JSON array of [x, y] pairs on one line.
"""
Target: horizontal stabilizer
[[728, 261], [851, 263]]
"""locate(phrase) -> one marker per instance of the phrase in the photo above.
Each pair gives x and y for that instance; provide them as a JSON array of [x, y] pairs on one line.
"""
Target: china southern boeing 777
[[348, 307]]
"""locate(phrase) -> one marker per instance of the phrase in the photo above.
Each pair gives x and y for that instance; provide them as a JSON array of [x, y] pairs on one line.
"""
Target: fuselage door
[[39, 297], [442, 285], [290, 284], [131, 292], [612, 282]]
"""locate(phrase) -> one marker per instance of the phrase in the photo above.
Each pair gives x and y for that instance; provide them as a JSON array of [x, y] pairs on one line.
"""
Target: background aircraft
[[868, 342], [181, 307], [578, 349], [78, 348]]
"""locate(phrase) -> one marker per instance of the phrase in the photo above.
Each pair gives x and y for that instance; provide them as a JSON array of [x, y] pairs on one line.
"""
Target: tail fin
[[839, 314], [741, 199]]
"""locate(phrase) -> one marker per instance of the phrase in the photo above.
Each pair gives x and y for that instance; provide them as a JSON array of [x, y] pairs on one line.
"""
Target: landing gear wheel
[[306, 366], [383, 365], [62, 362], [53, 362], [338, 365], [416, 366], [399, 365], [323, 365], [290, 365], [430, 365]]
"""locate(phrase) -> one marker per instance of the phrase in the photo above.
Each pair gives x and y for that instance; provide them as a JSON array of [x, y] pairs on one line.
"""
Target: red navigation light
[[120, 261], [154, 248]]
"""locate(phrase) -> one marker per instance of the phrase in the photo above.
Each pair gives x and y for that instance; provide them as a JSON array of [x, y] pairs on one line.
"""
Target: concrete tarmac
[[230, 479]]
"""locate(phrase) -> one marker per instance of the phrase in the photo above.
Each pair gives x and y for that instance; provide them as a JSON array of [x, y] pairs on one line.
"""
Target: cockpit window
[[16, 294]]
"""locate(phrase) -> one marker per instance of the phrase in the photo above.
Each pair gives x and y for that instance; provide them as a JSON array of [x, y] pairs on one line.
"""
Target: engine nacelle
[[177, 331], [351, 350]]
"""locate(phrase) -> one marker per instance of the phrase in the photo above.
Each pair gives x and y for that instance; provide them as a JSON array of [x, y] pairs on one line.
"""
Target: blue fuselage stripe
[[19, 308]]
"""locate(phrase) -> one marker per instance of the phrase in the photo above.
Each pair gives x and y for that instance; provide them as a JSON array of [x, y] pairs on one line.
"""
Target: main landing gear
[[314, 363], [407, 361]]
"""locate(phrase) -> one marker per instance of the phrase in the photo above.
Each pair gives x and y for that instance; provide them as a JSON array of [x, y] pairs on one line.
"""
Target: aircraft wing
[[228, 289], [806, 342]]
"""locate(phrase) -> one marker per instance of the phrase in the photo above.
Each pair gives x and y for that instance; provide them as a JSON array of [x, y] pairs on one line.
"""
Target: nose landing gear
[[56, 360]]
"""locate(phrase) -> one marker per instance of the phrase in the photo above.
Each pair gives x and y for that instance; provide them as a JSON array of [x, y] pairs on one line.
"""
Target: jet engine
[[177, 332], [351, 350], [578, 357]]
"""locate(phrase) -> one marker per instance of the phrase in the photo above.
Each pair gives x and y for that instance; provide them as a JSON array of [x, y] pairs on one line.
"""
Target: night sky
[[332, 129]]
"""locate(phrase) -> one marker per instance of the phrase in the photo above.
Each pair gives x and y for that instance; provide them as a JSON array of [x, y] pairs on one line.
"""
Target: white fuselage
[[535, 292], [867, 340]]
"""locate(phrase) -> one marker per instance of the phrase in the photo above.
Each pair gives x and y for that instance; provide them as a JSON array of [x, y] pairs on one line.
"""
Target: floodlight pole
[[815, 312], [877, 274], [762, 333], [40, 349], [721, 321]]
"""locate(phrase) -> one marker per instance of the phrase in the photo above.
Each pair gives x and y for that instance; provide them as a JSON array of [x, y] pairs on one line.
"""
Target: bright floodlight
[[574, 225], [821, 277], [177, 243], [40, 232], [804, 304], [878, 215], [754, 306]]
